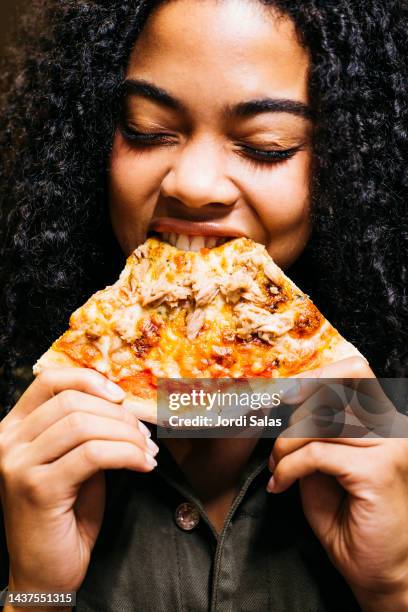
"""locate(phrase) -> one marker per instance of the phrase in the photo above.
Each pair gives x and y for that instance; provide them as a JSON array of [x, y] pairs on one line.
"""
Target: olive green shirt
[[151, 557]]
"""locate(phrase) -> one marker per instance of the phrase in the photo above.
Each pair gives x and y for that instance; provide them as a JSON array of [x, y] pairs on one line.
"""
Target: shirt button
[[187, 516]]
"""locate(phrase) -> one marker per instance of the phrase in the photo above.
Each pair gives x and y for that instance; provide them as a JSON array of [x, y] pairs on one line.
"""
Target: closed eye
[[146, 139], [267, 156]]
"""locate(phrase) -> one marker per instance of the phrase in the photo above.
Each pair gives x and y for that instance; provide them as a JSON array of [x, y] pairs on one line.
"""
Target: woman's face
[[215, 136]]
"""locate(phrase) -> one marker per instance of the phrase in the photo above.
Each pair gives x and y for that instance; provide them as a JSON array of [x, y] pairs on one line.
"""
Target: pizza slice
[[225, 312]]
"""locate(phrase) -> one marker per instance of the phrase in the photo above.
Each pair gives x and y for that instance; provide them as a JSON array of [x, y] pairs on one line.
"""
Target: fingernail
[[115, 391], [152, 447], [151, 462], [271, 463], [291, 394], [145, 430], [271, 485]]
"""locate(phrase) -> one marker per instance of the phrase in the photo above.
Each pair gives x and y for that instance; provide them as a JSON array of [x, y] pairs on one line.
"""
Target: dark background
[[9, 15]]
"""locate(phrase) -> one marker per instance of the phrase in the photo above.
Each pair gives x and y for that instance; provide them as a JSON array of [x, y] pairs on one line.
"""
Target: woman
[[283, 121]]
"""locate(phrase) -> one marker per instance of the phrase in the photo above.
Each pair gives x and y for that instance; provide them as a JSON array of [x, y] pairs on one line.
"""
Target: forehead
[[206, 51]]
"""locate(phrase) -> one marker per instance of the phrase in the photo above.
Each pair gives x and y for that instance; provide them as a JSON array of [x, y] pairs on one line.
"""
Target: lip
[[193, 228]]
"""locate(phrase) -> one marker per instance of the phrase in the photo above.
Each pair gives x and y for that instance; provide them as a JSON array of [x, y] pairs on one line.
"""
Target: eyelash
[[259, 156], [145, 140]]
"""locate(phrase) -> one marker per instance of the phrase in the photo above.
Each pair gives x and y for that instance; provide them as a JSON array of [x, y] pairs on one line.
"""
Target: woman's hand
[[54, 445], [354, 494]]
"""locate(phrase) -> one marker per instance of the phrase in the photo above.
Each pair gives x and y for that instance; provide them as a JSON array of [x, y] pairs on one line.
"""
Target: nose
[[197, 176]]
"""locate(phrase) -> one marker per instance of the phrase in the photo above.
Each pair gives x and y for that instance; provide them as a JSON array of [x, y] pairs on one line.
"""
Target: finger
[[146, 410], [54, 380], [323, 419], [320, 509], [355, 408], [367, 408], [64, 404], [91, 457], [80, 427], [352, 367], [327, 457], [374, 409], [286, 446], [301, 386], [323, 414], [89, 517]]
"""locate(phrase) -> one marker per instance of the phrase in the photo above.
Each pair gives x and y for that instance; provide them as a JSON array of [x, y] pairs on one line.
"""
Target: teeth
[[183, 242], [210, 242], [197, 243], [192, 243]]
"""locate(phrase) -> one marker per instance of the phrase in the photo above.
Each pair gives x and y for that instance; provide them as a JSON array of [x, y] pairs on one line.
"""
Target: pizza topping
[[141, 347], [206, 291], [241, 284], [125, 322], [252, 319], [205, 283], [199, 277], [223, 356], [137, 274], [122, 356], [275, 299], [150, 329], [94, 331], [163, 367], [102, 358], [308, 321], [143, 384], [154, 291], [194, 323], [228, 334], [272, 271], [228, 311], [221, 351]]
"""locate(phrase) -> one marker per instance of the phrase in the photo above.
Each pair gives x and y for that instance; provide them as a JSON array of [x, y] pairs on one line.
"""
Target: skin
[[56, 481], [66, 428], [354, 494], [204, 174]]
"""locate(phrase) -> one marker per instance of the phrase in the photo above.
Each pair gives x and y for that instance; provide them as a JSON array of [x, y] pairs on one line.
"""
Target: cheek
[[285, 195], [281, 198], [133, 184]]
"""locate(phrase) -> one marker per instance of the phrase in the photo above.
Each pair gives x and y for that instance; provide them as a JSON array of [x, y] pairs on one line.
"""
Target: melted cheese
[[222, 312]]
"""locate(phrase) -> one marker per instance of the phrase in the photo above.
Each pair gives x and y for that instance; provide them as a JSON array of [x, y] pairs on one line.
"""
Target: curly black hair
[[59, 109]]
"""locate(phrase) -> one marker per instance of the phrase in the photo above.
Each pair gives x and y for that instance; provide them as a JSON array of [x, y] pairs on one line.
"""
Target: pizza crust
[[342, 349], [54, 359]]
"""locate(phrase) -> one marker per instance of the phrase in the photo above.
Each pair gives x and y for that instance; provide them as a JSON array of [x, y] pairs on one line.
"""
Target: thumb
[[89, 507], [322, 499]]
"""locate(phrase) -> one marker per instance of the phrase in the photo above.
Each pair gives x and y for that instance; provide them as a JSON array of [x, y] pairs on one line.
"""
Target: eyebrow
[[151, 92], [269, 105], [250, 108]]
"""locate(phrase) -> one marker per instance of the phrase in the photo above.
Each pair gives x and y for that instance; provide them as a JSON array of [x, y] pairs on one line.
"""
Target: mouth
[[184, 242], [191, 236]]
